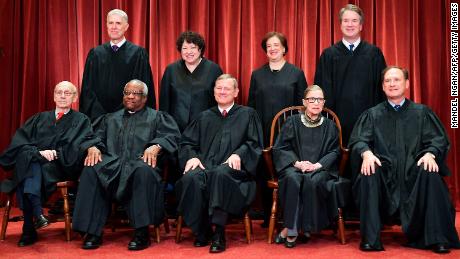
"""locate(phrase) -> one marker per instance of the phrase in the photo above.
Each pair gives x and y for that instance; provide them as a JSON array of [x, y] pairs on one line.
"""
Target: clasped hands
[[150, 156], [49, 155], [370, 160], [234, 161], [307, 166]]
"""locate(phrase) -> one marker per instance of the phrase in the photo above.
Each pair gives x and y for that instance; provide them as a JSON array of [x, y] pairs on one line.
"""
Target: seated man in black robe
[[219, 151], [124, 167], [305, 155], [398, 152], [48, 148]]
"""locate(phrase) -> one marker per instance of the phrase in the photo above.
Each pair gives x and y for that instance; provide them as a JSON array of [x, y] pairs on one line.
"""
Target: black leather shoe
[[27, 239], [140, 241], [217, 246], [279, 239], [289, 244], [441, 249], [41, 222], [92, 242], [366, 247]]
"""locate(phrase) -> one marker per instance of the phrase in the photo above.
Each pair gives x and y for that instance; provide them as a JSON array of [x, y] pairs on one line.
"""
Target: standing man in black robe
[[219, 152], [124, 166], [110, 66], [398, 152], [47, 149], [350, 71]]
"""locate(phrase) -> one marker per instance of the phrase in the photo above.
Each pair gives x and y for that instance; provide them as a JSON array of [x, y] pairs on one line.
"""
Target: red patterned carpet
[[51, 244]]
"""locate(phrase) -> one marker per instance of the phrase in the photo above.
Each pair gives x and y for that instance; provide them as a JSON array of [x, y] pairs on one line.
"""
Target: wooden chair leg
[[271, 226], [247, 227], [68, 227], [157, 233], [179, 229], [341, 227], [166, 224], [6, 217]]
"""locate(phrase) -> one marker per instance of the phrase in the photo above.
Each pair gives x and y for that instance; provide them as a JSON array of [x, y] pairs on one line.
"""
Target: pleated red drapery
[[44, 42]]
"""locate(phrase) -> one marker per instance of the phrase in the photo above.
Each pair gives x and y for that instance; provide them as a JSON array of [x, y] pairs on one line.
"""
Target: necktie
[[351, 47], [115, 48], [224, 113], [397, 107], [59, 116]]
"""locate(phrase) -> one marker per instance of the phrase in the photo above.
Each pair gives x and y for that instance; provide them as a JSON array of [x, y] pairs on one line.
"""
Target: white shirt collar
[[228, 109], [347, 44], [119, 44], [394, 104]]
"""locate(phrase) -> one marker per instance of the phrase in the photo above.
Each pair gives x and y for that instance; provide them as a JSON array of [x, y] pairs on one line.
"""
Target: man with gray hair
[[48, 148], [125, 166], [219, 152], [110, 66], [349, 71]]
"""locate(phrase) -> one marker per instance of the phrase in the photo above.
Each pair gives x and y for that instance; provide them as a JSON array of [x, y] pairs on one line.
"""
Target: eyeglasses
[[66, 93], [314, 99], [127, 93]]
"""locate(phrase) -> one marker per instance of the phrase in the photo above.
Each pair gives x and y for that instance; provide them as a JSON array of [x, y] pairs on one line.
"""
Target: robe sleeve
[[190, 143], [434, 137], [167, 133], [331, 148], [89, 104], [252, 92], [251, 150], [379, 66], [323, 78], [143, 72], [73, 146], [301, 85], [165, 91], [22, 143], [283, 152], [361, 140]]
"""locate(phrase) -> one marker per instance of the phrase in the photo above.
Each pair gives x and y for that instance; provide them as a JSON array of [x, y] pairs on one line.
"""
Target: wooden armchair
[[63, 188], [277, 123]]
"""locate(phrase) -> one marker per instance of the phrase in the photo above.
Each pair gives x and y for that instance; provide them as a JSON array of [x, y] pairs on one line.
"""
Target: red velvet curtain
[[44, 42]]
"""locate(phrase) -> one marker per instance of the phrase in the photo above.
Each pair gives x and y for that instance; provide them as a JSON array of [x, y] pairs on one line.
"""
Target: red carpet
[[51, 244]]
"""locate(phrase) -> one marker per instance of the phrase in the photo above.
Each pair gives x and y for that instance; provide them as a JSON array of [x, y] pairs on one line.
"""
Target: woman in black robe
[[274, 86], [187, 84], [305, 156], [187, 87]]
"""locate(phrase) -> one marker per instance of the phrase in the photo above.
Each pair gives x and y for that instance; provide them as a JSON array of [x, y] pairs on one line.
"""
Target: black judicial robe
[[399, 140], [351, 81], [184, 95], [106, 73], [315, 195], [124, 138], [270, 92], [70, 137], [212, 139]]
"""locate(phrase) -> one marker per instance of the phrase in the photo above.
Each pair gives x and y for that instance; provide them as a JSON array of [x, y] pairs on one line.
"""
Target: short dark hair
[[403, 70], [354, 8], [312, 88], [191, 37], [280, 36]]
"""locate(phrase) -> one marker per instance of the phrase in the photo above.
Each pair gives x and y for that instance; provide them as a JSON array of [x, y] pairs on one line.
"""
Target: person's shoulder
[[79, 115], [261, 70], [293, 68], [100, 48], [370, 48], [174, 65]]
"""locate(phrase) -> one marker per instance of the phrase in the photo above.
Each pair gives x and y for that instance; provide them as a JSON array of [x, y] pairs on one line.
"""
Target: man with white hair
[[110, 66], [125, 166], [48, 148]]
